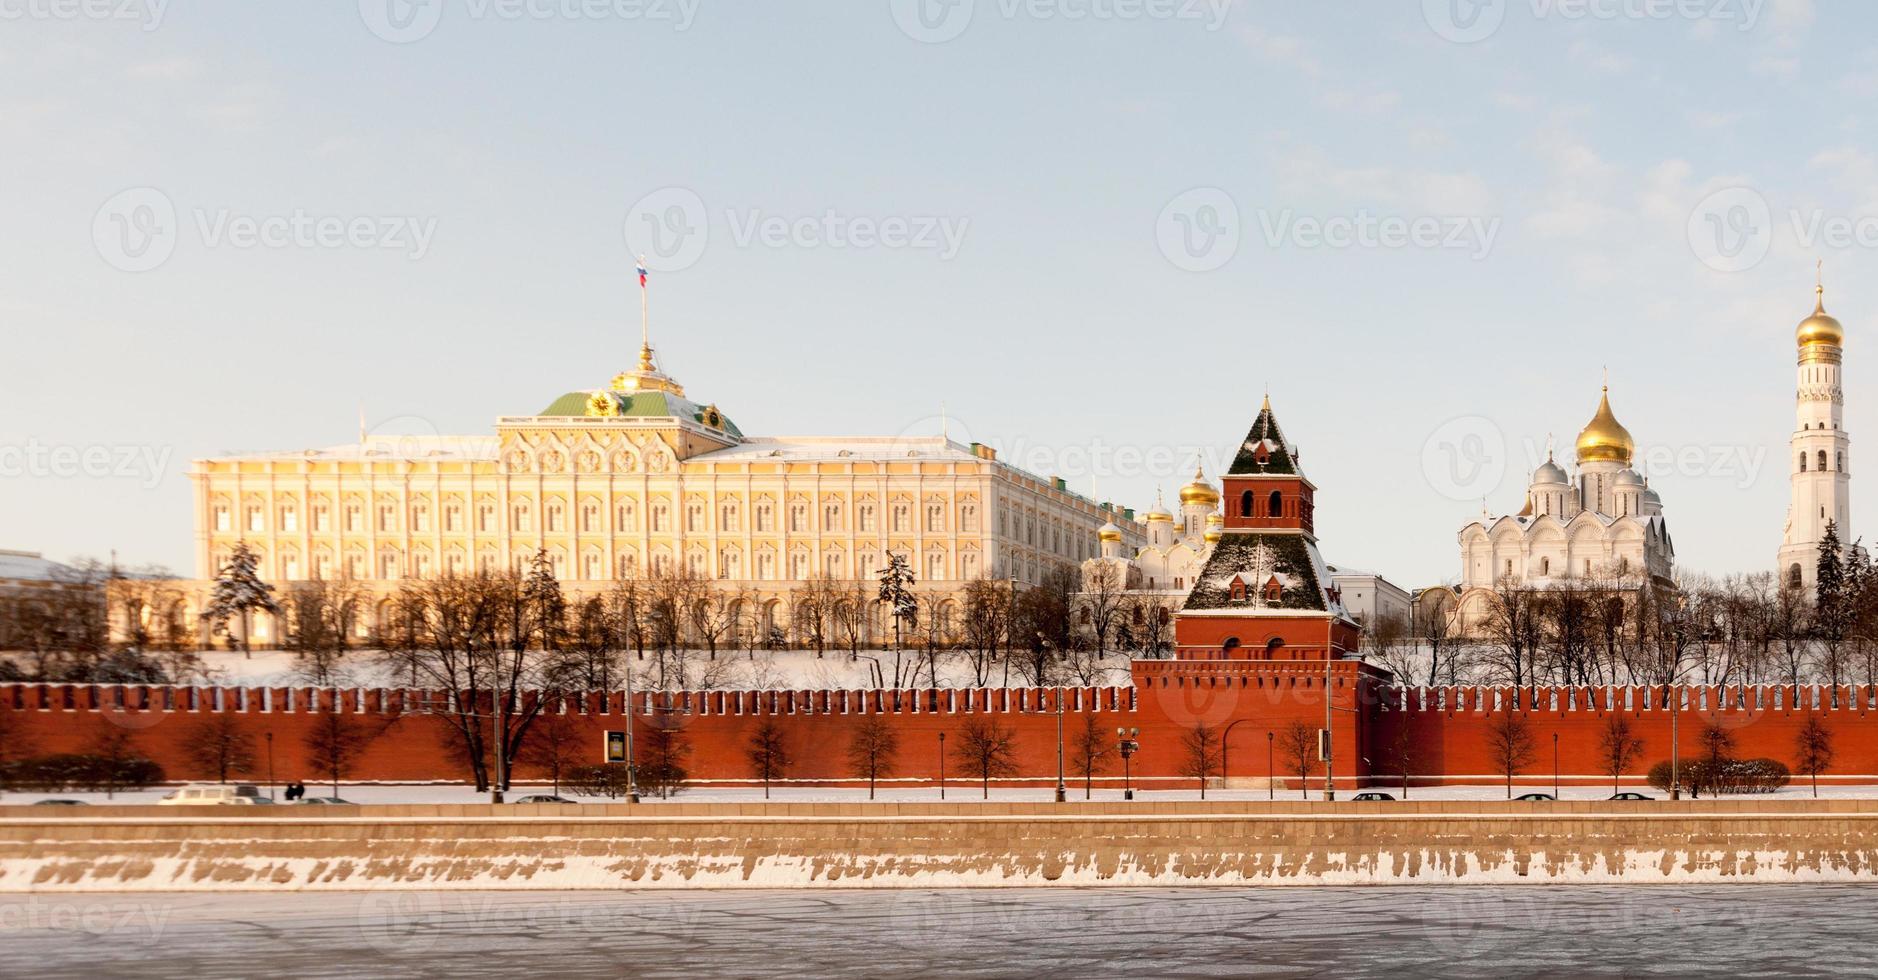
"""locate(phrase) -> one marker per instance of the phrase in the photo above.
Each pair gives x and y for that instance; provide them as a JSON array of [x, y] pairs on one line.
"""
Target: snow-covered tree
[[239, 591], [896, 592]]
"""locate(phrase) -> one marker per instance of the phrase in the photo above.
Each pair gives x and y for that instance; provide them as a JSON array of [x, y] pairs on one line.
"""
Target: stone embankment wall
[[937, 845]]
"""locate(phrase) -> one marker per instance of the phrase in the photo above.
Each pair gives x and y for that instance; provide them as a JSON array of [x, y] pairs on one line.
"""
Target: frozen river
[[1737, 931]]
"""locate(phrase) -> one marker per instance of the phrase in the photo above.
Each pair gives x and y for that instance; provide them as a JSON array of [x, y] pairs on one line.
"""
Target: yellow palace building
[[633, 480]]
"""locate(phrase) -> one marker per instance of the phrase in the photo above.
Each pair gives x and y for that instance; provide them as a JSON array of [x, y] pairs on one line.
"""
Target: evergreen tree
[[239, 591], [1833, 604], [896, 591], [1831, 568]]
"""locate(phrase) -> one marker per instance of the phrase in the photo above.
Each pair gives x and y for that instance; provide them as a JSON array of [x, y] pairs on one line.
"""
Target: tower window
[[1802, 462], [1245, 504], [1822, 461], [1277, 504]]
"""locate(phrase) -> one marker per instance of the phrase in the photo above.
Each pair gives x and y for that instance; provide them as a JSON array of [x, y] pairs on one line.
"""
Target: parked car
[[1537, 798], [1632, 797], [59, 803], [1372, 798], [323, 801], [542, 798], [216, 794]]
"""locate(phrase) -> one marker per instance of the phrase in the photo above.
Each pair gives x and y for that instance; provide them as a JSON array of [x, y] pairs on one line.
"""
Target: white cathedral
[[1602, 523]]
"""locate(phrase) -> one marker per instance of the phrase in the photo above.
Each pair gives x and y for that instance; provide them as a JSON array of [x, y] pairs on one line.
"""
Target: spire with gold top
[[1820, 337]]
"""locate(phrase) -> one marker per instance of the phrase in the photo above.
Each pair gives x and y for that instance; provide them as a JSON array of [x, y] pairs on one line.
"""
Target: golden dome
[[1605, 440], [1199, 491], [1820, 329], [1215, 520], [1109, 532], [1212, 535], [1157, 514]]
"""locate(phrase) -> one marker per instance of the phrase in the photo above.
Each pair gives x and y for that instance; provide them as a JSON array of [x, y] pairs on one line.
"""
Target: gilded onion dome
[[1820, 329], [1605, 440], [1109, 532], [1199, 491]]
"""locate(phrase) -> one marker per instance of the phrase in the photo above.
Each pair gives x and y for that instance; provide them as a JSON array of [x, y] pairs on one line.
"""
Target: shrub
[[1723, 777], [79, 773], [608, 780]]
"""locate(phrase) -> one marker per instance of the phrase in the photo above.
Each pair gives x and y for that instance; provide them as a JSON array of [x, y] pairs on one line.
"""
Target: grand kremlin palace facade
[[633, 480]]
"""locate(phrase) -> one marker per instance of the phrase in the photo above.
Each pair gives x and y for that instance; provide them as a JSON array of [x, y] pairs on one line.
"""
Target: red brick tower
[[1265, 593]]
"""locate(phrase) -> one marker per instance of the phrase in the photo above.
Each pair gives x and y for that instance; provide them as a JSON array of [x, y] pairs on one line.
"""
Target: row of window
[[593, 566], [1822, 462], [590, 518]]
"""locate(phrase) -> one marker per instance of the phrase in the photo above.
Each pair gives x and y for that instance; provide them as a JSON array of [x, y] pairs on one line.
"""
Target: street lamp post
[[1330, 742], [1675, 749], [1271, 766], [1062, 790], [1129, 745], [270, 765], [942, 765], [632, 761], [1555, 765]]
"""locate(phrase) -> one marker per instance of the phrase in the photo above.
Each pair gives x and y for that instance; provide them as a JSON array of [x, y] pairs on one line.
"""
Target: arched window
[[1802, 462], [1277, 505], [1245, 504], [1545, 566], [1822, 461], [1795, 578], [1841, 461]]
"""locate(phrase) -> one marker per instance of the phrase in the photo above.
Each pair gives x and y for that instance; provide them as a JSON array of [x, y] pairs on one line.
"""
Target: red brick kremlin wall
[[1444, 729]]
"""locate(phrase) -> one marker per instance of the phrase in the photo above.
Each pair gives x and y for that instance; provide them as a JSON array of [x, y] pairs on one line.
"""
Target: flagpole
[[645, 309]]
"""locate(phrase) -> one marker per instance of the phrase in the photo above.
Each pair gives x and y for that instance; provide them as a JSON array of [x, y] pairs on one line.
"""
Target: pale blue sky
[[522, 143]]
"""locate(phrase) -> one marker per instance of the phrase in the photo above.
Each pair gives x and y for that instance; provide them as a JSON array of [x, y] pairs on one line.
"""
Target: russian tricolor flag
[[642, 273]]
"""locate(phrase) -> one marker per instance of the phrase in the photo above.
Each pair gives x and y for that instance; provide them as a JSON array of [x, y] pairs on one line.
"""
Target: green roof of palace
[[643, 404]]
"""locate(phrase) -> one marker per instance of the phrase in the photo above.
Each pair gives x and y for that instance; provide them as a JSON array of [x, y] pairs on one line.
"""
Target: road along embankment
[[939, 845]]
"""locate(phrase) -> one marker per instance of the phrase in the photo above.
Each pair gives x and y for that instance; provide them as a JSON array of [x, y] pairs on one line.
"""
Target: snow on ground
[[956, 792], [730, 670]]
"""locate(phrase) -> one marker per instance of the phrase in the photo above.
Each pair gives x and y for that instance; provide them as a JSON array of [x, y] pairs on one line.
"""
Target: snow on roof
[[391, 447], [29, 566], [869, 448]]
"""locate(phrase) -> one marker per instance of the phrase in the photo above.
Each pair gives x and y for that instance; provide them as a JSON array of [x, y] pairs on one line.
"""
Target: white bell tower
[[1822, 456]]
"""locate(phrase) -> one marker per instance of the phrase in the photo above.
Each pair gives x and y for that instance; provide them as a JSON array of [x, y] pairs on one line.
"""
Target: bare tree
[[987, 749], [1618, 748], [1297, 746], [713, 617], [935, 633], [1813, 750], [1200, 754], [1104, 586], [554, 746], [768, 752], [811, 610], [219, 745], [333, 743], [871, 750], [987, 603], [663, 746], [1510, 744], [1513, 627], [321, 619], [1090, 750]]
